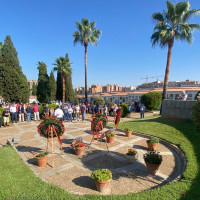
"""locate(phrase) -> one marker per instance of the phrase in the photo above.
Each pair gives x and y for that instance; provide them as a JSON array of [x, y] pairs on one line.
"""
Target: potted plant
[[152, 160], [78, 146], [152, 143], [128, 132], [41, 158], [110, 137], [130, 156], [102, 178]]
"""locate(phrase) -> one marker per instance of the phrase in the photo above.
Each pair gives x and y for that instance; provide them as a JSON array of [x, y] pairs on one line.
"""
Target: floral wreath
[[99, 122], [43, 127]]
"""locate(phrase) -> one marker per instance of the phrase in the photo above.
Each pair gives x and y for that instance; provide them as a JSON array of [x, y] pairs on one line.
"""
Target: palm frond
[[190, 14], [182, 8], [92, 40], [85, 21], [158, 16], [171, 9], [92, 25]]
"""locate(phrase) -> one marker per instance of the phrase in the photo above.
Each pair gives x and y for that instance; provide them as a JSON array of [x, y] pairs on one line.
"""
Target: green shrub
[[124, 110], [151, 100], [42, 154], [52, 105], [1, 110], [41, 109], [152, 157], [197, 95], [99, 101], [127, 129], [196, 114], [153, 140], [110, 104], [101, 175], [110, 134], [76, 101]]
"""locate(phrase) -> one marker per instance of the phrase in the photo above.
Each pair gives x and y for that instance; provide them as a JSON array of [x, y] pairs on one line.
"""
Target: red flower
[[184, 194]]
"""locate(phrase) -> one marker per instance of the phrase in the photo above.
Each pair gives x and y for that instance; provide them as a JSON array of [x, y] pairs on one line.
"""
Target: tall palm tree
[[63, 65], [87, 33], [173, 24]]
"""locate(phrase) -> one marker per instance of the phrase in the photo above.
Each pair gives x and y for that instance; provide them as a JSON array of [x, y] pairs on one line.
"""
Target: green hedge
[[53, 105], [124, 110], [151, 100]]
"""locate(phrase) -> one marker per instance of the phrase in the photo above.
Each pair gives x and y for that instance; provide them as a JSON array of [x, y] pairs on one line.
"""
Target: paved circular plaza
[[72, 173]]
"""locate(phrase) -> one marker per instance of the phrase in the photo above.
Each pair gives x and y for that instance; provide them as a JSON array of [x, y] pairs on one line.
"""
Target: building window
[[190, 95], [171, 95]]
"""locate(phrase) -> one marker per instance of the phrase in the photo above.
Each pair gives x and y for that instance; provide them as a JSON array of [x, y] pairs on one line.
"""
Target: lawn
[[18, 182]]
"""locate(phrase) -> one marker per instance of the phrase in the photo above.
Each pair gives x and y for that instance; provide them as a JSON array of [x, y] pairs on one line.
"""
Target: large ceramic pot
[[79, 150], [110, 139], [128, 133], [102, 186], [41, 161], [152, 146], [152, 168]]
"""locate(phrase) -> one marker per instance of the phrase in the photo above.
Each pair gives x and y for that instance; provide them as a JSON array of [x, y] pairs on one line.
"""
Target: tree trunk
[[169, 56], [86, 95], [63, 83]]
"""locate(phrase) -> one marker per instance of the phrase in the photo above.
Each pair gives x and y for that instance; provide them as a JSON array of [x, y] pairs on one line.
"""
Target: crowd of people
[[68, 112]]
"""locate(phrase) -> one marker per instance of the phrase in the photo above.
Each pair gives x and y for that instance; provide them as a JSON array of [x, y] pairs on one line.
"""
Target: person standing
[[83, 111], [46, 110], [28, 112], [13, 114], [51, 111], [142, 109], [59, 114], [21, 112], [6, 115], [65, 112], [105, 110], [36, 112], [70, 112], [77, 112]]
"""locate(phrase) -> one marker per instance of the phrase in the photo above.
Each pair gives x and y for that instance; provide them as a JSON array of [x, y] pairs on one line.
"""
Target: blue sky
[[41, 30]]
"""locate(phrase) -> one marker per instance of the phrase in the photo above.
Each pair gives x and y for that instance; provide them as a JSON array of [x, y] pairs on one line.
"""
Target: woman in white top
[[77, 112]]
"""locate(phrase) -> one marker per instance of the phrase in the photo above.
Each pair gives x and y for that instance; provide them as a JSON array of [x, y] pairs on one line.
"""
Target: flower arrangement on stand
[[98, 124], [131, 155], [78, 146], [43, 127]]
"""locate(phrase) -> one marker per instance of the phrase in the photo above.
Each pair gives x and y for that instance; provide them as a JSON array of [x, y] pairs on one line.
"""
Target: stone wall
[[177, 109]]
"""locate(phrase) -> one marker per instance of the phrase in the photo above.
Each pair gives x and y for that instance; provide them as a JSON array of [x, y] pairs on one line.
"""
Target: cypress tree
[[70, 95], [59, 90], [43, 83], [12, 80], [52, 86], [34, 89]]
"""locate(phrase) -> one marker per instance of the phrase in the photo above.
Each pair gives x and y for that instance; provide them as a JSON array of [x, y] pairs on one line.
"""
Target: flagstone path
[[72, 173]]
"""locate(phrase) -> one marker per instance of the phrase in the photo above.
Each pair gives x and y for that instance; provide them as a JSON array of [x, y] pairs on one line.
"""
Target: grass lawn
[[18, 182]]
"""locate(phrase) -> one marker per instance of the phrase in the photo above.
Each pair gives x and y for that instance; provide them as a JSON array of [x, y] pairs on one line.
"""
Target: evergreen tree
[[69, 92], [34, 89], [13, 82], [43, 83], [59, 89], [52, 86]]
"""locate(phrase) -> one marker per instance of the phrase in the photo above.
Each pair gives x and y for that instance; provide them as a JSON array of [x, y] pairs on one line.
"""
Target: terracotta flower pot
[[152, 146], [152, 168], [41, 161], [102, 186], [79, 150], [131, 159], [110, 139], [128, 133]]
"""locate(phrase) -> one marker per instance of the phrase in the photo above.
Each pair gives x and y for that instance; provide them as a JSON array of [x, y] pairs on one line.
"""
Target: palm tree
[[173, 24], [63, 66], [87, 33]]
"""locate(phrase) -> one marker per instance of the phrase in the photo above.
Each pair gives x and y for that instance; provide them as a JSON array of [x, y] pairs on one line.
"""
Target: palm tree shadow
[[85, 181]]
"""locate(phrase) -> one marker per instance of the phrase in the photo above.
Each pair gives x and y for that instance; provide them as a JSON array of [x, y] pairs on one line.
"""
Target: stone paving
[[72, 173]]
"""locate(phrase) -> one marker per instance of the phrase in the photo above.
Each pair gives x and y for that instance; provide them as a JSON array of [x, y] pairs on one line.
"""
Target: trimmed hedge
[[124, 110], [151, 100]]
